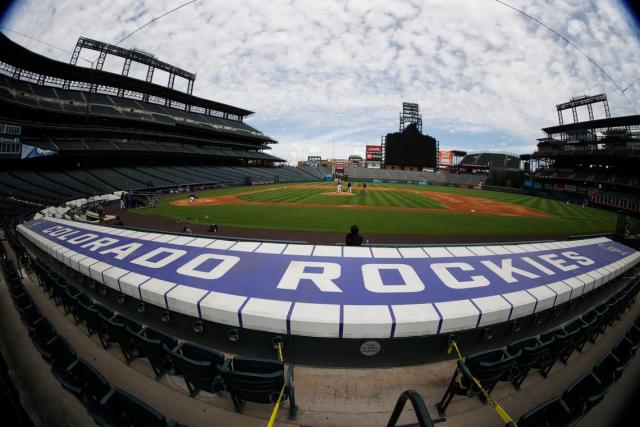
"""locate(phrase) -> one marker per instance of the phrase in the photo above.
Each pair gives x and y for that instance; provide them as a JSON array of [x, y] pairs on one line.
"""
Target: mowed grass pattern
[[328, 196], [565, 219]]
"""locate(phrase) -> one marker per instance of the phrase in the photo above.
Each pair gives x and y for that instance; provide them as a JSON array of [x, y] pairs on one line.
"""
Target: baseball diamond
[[390, 213]]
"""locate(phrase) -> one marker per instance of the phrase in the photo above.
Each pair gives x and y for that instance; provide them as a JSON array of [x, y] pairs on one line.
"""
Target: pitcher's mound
[[335, 193]]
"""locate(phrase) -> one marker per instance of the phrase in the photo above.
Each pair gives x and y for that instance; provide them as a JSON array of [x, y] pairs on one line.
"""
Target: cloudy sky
[[328, 77]]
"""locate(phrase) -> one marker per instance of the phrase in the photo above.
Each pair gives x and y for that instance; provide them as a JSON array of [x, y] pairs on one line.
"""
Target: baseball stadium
[[164, 265]]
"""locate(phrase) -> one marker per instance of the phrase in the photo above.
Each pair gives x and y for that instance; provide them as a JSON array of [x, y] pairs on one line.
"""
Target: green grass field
[[564, 219], [317, 195]]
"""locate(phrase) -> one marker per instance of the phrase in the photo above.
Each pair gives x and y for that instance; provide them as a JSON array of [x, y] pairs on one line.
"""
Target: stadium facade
[[592, 161]]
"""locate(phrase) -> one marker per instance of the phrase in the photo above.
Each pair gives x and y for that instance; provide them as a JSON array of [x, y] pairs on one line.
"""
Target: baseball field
[[399, 210]]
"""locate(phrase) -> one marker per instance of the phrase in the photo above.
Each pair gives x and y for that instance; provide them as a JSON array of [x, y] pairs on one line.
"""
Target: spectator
[[354, 238]]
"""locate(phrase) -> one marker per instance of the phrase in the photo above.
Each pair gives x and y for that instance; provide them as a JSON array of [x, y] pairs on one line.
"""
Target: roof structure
[[44, 69]]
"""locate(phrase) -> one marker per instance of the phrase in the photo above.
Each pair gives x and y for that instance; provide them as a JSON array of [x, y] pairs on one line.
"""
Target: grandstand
[[483, 162], [97, 132], [594, 160], [391, 175]]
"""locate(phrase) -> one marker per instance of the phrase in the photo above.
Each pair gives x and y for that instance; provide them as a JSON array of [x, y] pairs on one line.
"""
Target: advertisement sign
[[374, 153], [445, 158]]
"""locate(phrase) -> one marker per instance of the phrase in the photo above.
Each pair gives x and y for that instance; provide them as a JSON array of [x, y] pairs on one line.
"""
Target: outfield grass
[[564, 219]]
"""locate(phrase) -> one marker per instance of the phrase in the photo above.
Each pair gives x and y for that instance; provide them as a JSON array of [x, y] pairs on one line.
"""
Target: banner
[[179, 271], [30, 152], [385, 281]]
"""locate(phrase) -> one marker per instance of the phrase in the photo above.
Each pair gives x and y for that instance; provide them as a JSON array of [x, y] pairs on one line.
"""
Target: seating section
[[515, 361], [415, 176], [26, 191], [132, 146], [490, 160], [259, 381], [203, 369], [75, 102], [589, 389]]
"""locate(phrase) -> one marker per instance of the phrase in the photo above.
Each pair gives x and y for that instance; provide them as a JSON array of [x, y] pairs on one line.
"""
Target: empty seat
[[551, 413], [563, 345], [87, 384], [616, 305], [80, 306], [584, 330], [62, 355], [58, 290], [29, 315], [96, 317], [586, 392], [593, 327], [43, 337], [119, 408], [611, 312], [258, 381], [115, 330], [534, 354], [22, 301], [624, 351], [633, 335], [608, 369], [16, 288], [487, 367], [156, 347], [68, 298], [198, 366]]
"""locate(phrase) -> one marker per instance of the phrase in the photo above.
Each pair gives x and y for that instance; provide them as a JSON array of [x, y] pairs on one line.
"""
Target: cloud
[[329, 77]]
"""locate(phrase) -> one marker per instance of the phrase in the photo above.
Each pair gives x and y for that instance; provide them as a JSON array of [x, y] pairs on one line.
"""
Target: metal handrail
[[422, 413]]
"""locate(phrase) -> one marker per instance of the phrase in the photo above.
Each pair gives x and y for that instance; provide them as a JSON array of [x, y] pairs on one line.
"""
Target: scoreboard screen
[[411, 148]]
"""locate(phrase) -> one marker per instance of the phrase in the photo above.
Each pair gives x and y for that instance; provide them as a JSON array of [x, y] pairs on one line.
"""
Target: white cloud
[[329, 77]]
